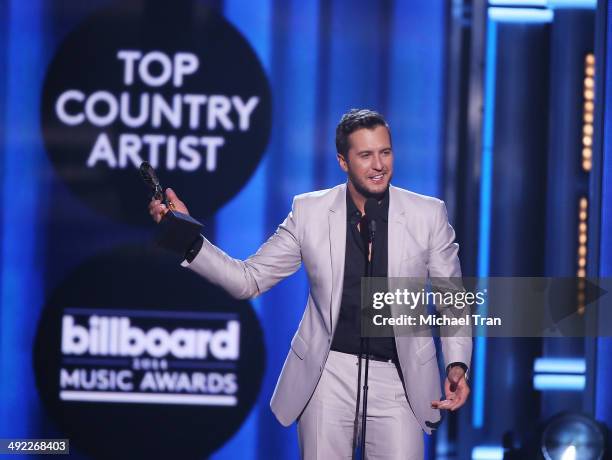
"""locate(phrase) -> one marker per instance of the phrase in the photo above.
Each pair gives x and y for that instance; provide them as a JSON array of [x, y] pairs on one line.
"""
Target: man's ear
[[342, 162]]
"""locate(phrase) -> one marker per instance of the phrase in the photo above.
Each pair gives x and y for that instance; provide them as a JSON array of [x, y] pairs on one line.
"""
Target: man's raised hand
[[157, 209]]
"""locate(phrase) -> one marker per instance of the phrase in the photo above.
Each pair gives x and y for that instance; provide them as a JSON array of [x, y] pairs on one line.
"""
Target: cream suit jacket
[[421, 243]]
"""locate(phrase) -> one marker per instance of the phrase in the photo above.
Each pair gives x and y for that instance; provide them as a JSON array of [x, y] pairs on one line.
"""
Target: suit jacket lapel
[[397, 233], [337, 248]]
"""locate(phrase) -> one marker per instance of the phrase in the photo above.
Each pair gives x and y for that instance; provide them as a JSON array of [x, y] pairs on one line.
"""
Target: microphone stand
[[364, 348]]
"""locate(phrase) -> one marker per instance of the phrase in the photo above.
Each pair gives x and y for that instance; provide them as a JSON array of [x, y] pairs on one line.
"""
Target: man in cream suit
[[318, 383]]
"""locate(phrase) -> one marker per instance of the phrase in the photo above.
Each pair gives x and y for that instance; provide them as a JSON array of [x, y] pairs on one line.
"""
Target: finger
[[160, 211], [446, 404], [442, 405], [171, 195], [174, 203]]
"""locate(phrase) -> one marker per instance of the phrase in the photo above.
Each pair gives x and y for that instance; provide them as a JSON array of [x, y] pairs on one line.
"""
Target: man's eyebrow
[[370, 151]]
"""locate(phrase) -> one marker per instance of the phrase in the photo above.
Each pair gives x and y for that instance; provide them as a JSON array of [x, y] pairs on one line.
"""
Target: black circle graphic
[[176, 85], [147, 288]]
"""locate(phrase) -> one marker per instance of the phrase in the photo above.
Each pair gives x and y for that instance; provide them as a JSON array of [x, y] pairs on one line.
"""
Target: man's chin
[[373, 191]]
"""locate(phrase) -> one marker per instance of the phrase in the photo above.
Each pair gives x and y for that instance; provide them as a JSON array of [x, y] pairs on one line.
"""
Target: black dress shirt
[[347, 336]]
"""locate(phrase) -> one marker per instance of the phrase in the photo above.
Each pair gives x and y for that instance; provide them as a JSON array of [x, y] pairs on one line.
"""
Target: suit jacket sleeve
[[276, 259], [445, 272]]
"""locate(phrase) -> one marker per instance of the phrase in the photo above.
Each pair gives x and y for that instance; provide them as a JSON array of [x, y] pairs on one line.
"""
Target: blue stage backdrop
[[269, 80], [603, 400]]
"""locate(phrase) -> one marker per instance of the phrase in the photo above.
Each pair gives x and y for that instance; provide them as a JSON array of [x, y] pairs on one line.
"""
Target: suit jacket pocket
[[299, 346]]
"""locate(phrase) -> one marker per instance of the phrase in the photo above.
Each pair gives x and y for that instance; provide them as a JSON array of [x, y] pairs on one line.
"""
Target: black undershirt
[[347, 336]]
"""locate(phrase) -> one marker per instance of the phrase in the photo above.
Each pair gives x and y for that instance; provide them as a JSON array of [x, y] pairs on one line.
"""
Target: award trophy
[[177, 231]]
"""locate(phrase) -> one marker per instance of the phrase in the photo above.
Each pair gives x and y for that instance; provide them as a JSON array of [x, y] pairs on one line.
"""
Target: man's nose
[[377, 162]]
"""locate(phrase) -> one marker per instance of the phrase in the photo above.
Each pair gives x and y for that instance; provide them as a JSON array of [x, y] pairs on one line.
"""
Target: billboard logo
[[116, 336], [161, 368], [149, 370]]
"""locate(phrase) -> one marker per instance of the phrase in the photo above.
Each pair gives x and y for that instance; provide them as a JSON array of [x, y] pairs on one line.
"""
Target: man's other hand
[[456, 389], [157, 209]]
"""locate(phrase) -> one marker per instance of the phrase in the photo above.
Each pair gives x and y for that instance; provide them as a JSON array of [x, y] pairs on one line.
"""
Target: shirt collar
[[353, 214]]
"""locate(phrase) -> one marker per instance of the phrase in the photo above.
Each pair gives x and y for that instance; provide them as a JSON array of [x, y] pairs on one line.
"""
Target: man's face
[[369, 161]]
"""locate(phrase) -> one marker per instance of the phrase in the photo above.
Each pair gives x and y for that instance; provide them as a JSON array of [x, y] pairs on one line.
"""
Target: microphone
[[373, 213], [150, 178]]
